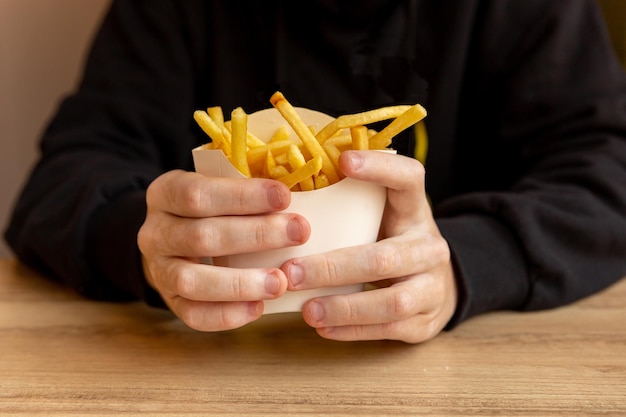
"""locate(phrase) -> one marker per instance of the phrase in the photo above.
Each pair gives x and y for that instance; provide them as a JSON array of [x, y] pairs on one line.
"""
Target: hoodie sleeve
[[79, 213], [549, 225]]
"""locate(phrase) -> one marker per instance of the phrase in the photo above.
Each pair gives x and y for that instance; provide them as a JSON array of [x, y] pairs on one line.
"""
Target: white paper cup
[[347, 213]]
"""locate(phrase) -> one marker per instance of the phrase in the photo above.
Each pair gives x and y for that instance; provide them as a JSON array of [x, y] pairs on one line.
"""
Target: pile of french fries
[[313, 163]]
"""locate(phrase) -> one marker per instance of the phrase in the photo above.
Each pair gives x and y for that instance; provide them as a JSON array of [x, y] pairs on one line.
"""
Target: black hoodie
[[526, 104]]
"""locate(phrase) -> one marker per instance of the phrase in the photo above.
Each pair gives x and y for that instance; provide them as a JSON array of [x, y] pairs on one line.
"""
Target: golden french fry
[[253, 141], [382, 139], [209, 127], [282, 133], [333, 153], [270, 163], [359, 138], [313, 162], [312, 167], [278, 172], [296, 161], [285, 108], [256, 155], [273, 170], [342, 141], [360, 119], [239, 121], [295, 157], [216, 114], [321, 181], [281, 158]]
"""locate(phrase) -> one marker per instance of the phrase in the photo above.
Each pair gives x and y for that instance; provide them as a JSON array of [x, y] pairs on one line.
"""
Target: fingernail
[[295, 274], [275, 197], [317, 311], [272, 284], [295, 231], [356, 160]]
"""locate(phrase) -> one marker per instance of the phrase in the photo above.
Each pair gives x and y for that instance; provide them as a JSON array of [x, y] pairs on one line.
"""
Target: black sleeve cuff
[[489, 266], [114, 252]]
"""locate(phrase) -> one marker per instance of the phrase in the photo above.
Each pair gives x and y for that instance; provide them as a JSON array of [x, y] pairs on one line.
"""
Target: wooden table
[[61, 355]]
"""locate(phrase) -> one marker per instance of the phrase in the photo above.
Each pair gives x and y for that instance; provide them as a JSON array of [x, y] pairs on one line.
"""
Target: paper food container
[[347, 213]]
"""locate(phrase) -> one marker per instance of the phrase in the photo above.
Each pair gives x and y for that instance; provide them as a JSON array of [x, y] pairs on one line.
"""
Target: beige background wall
[[42, 45]]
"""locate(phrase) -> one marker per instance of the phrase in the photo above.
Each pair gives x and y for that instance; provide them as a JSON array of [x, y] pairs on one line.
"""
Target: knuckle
[[402, 304], [441, 250], [193, 197], [419, 169], [147, 235], [144, 238], [383, 261], [184, 280], [153, 190], [200, 237]]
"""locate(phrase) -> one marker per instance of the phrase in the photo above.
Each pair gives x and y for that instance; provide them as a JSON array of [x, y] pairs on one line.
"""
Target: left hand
[[411, 268]]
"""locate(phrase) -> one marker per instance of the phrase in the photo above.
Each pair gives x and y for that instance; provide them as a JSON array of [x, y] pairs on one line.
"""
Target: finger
[[388, 258], [199, 282], [396, 172], [401, 315], [189, 194], [227, 235], [416, 329], [209, 316], [404, 178], [385, 305]]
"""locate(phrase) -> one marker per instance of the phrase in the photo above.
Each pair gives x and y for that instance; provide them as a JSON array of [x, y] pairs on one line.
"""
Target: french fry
[[296, 160], [360, 119], [278, 172], [382, 139], [253, 142], [285, 108], [312, 167], [216, 114], [282, 133], [333, 153], [208, 126], [257, 154], [360, 141], [321, 181], [342, 141], [281, 158], [312, 162], [273, 170], [239, 120]]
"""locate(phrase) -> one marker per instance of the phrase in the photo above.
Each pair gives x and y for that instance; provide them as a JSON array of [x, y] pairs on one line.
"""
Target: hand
[[191, 217], [416, 291]]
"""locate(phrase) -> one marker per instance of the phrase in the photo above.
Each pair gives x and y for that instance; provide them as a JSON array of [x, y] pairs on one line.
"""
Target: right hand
[[191, 217]]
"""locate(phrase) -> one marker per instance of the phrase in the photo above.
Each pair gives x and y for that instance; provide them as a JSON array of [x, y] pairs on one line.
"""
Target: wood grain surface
[[62, 355]]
